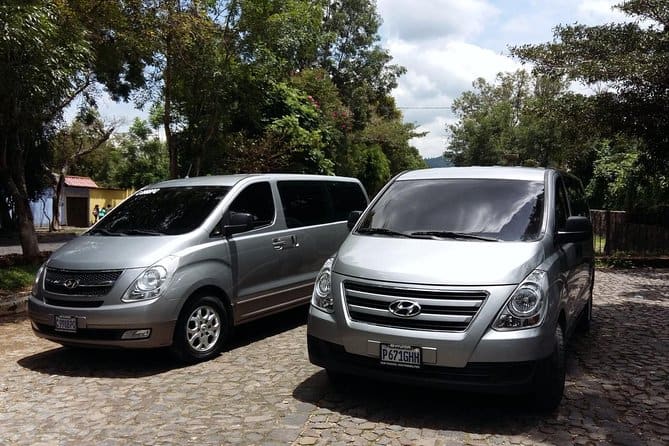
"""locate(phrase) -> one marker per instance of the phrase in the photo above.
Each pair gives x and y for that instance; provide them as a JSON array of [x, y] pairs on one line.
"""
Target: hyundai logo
[[404, 308], [71, 284]]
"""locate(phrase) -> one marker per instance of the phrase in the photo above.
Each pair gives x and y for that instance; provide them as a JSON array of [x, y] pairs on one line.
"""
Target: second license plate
[[401, 355]]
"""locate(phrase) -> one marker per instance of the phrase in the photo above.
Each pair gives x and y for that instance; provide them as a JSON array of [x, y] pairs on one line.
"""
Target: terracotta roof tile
[[74, 181]]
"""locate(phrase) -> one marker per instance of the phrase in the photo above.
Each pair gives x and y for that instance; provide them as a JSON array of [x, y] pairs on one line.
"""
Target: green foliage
[[519, 120], [627, 62], [373, 168], [619, 179], [17, 278], [131, 160], [392, 137]]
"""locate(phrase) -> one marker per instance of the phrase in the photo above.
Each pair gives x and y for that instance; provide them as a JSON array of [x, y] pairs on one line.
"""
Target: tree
[[359, 67], [129, 160], [86, 134], [43, 53], [520, 119], [627, 62]]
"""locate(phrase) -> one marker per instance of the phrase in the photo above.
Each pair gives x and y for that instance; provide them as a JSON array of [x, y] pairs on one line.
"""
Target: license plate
[[401, 355], [66, 323]]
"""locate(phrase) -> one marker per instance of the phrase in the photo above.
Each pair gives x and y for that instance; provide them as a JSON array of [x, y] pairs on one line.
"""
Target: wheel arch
[[213, 291]]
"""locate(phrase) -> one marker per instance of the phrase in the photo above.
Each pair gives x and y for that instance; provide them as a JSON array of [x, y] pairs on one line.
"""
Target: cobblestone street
[[264, 391]]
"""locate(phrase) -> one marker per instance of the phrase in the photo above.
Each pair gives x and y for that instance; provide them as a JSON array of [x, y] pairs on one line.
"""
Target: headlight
[[322, 298], [527, 305], [153, 281], [38, 277]]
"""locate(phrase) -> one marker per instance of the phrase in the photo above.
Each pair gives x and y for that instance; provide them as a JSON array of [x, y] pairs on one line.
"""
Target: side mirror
[[576, 229], [238, 222], [353, 218]]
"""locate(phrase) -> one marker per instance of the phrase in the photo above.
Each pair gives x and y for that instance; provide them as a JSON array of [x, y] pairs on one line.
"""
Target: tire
[[550, 376], [202, 330]]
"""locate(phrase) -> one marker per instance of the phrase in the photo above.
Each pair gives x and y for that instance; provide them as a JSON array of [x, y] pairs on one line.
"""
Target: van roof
[[231, 180], [491, 172]]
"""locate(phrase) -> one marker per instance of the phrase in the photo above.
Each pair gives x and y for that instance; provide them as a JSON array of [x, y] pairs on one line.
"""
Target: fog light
[[136, 334]]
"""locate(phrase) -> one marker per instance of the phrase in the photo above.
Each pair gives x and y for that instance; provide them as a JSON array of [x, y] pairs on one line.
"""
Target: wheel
[[201, 331], [550, 376]]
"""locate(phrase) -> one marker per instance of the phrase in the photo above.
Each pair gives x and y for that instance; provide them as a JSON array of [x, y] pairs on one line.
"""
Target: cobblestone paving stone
[[263, 391]]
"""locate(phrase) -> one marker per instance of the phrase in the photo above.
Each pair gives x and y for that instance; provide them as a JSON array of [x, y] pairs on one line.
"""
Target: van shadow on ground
[[616, 388], [117, 363]]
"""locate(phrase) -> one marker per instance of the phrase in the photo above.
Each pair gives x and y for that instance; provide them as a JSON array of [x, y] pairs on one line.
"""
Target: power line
[[426, 107]]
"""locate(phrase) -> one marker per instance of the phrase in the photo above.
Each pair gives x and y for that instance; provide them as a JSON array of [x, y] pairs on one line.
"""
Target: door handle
[[278, 244]]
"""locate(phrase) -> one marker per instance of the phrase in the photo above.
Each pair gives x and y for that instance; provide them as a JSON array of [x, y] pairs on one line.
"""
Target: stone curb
[[16, 304]]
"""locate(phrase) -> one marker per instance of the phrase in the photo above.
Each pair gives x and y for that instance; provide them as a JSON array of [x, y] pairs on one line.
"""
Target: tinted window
[[578, 204], [305, 203], [346, 197], [561, 208], [256, 199], [501, 209], [168, 210]]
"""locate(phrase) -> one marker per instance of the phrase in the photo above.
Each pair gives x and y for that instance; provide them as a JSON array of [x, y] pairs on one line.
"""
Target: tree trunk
[[18, 192], [167, 120], [55, 202]]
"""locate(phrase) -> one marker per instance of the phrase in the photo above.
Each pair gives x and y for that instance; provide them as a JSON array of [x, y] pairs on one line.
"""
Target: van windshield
[[161, 211], [459, 209]]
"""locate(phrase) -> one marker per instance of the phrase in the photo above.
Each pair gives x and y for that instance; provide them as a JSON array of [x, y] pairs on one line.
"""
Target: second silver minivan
[[181, 262], [468, 278]]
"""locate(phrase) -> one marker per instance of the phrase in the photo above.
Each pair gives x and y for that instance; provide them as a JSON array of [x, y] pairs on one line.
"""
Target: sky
[[445, 45]]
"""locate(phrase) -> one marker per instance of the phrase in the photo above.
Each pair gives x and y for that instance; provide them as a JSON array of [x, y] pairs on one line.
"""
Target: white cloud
[[599, 11], [440, 71], [419, 21]]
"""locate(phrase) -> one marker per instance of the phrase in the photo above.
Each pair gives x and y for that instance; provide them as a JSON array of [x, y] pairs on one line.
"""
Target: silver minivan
[[466, 278], [179, 263]]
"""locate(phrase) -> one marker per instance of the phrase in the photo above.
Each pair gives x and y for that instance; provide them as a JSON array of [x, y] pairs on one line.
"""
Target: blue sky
[[445, 45]]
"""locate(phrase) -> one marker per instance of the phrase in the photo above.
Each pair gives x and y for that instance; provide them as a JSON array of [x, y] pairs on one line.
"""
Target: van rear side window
[[307, 203]]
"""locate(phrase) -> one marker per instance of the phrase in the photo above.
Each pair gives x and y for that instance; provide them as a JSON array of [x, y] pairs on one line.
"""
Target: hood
[[437, 262], [103, 252]]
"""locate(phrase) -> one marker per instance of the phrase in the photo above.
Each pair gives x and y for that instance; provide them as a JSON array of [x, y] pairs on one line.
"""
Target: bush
[[17, 278]]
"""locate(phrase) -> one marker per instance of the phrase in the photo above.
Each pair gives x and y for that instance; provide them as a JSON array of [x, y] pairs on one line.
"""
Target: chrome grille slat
[[421, 300], [421, 317], [443, 310], [88, 283]]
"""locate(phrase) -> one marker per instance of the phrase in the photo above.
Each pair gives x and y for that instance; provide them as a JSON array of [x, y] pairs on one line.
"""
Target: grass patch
[[17, 278]]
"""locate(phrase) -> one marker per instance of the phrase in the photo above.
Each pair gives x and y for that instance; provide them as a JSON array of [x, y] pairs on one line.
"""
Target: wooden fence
[[620, 233]]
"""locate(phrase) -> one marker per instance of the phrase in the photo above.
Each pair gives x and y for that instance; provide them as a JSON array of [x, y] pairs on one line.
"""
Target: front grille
[[440, 310], [74, 303], [80, 283]]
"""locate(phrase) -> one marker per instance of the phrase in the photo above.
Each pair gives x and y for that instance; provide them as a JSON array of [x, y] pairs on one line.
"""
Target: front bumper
[[495, 377], [104, 326]]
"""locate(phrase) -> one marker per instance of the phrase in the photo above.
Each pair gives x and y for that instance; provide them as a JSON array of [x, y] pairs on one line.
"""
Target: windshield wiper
[[454, 235], [384, 231], [140, 232], [104, 231]]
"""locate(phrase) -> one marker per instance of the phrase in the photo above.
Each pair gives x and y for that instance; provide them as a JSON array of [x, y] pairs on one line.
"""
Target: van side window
[[346, 197], [305, 203], [256, 199], [577, 201], [561, 207]]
